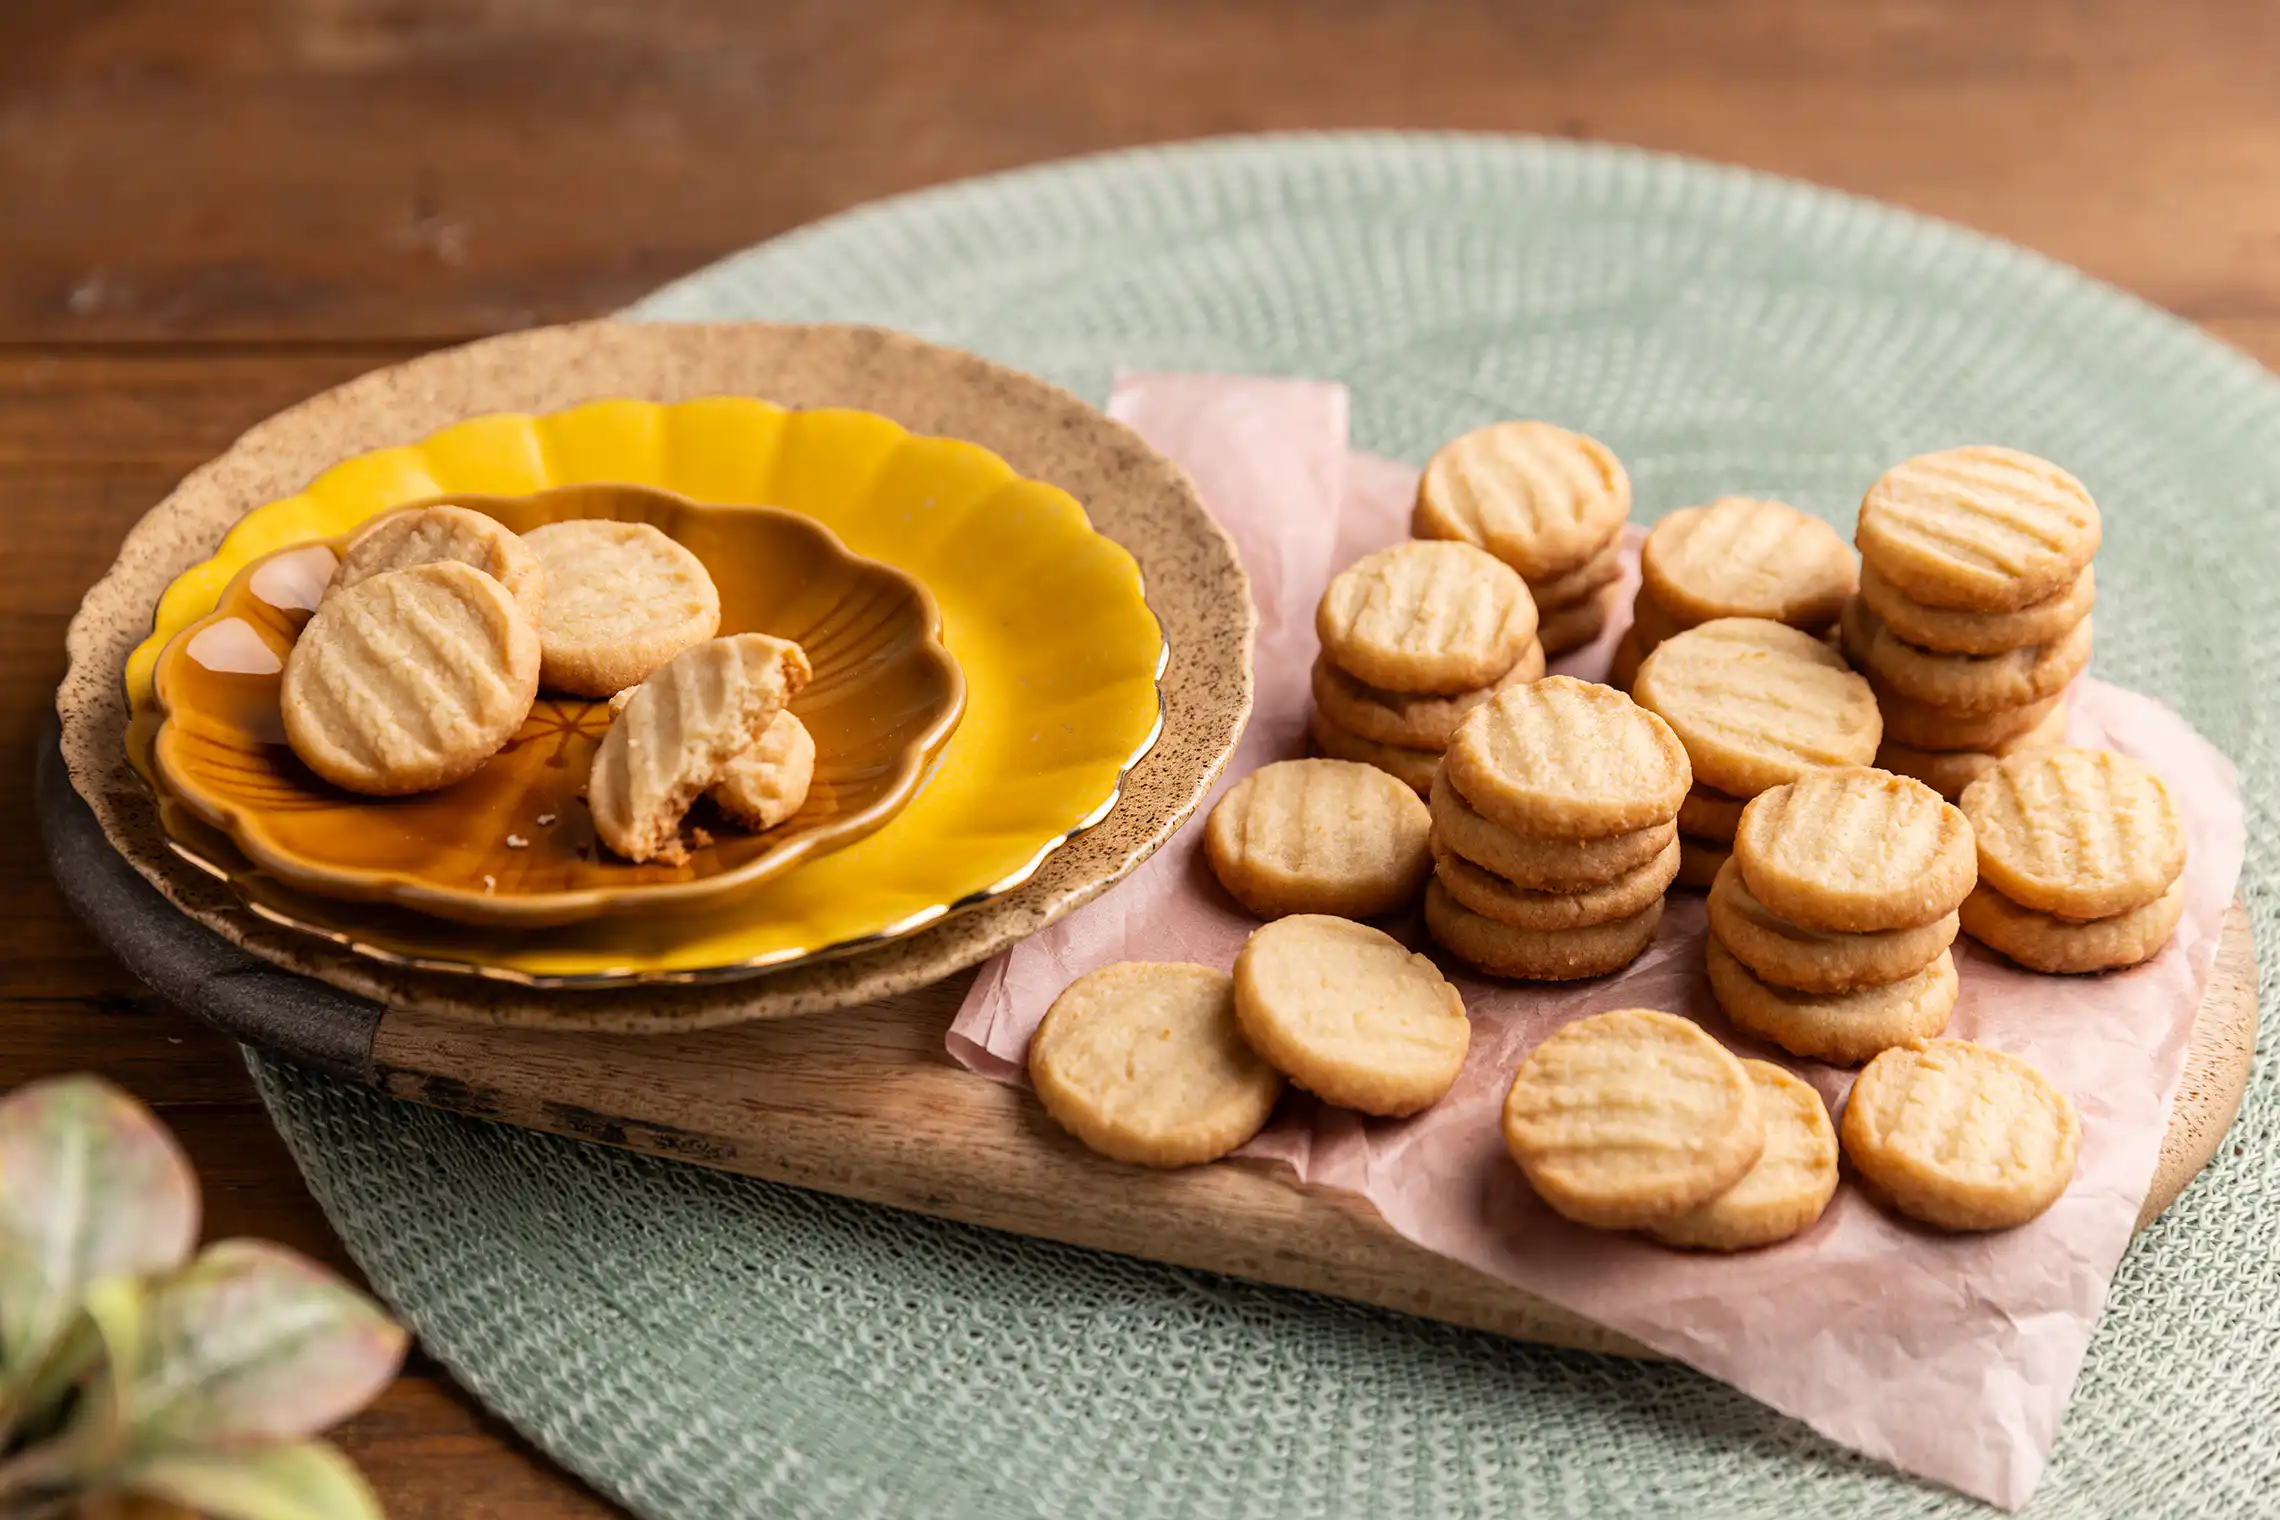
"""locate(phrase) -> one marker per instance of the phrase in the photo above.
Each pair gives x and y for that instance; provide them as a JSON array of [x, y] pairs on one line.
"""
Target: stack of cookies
[[1414, 638], [1757, 704], [1830, 926], [2081, 861], [1553, 832], [1974, 608], [1737, 557], [1547, 502]]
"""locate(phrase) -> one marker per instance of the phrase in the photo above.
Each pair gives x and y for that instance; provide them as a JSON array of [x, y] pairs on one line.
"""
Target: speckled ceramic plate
[[513, 844], [1028, 516]]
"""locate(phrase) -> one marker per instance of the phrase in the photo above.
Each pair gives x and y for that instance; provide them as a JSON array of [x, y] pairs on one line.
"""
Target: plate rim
[[1044, 432]]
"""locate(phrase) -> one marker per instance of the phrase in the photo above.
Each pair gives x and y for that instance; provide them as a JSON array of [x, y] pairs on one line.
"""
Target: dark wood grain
[[211, 208]]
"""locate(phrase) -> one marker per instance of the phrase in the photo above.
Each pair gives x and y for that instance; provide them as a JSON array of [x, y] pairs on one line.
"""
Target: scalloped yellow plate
[[1045, 617]]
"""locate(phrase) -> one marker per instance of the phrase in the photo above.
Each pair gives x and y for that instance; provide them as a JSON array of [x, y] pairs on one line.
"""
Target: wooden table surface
[[211, 208]]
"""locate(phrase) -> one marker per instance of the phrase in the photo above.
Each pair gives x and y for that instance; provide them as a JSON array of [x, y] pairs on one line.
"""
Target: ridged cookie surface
[[679, 734], [1319, 836], [1742, 557], [432, 535], [1757, 703], [1143, 1062], [621, 600], [2080, 833], [1350, 1014], [1426, 617], [1630, 1118], [1858, 850], [1979, 529], [409, 680], [769, 782], [1792, 1182], [1961, 1136], [1568, 757], [1538, 497]]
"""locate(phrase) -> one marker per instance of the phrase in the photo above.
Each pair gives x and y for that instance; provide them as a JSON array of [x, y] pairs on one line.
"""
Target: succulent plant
[[128, 1366]]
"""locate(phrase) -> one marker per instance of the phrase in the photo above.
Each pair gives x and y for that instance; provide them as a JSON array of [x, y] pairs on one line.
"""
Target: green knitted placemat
[[696, 1344]]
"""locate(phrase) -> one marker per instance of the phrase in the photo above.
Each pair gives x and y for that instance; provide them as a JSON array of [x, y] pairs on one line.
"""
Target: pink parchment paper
[[1952, 1357]]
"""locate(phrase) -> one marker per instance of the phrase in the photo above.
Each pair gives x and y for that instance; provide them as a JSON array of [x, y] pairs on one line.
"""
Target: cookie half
[[1350, 1014], [769, 782], [1143, 1062]]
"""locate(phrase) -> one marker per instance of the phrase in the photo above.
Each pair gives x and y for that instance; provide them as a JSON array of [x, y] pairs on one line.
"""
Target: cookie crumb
[[701, 838], [517, 842], [490, 883], [546, 818]]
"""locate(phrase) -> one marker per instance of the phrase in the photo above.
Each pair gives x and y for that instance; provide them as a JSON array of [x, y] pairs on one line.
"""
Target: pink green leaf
[[91, 1185], [306, 1480]]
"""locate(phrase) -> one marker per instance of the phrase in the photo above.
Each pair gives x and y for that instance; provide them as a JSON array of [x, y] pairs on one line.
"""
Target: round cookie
[[1978, 529], [1700, 861], [1350, 1015], [1652, 622], [1535, 955], [2042, 942], [1814, 960], [1842, 1028], [1757, 703], [1740, 557], [1319, 836], [1952, 632], [680, 732], [1964, 683], [621, 600], [1143, 1062], [409, 681], [1631, 1118], [1950, 771], [1856, 850], [1411, 720], [1492, 896], [1602, 569], [769, 782], [1568, 757], [1710, 814], [1413, 768], [430, 535], [1561, 629], [1922, 726], [1426, 617], [1960, 1136], [2079, 833], [1792, 1182], [1539, 864], [1538, 497]]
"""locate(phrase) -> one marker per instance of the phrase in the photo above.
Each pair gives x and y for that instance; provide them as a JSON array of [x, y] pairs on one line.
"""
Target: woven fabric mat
[[696, 1344]]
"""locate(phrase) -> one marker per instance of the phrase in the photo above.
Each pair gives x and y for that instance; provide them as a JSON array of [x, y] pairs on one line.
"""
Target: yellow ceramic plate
[[1045, 617], [514, 842]]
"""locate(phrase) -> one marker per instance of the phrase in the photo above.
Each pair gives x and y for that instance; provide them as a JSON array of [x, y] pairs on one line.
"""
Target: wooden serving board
[[865, 1103]]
